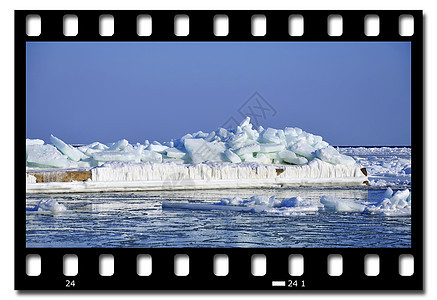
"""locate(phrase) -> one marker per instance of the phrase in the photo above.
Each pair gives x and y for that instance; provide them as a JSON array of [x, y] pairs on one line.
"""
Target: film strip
[[201, 273]]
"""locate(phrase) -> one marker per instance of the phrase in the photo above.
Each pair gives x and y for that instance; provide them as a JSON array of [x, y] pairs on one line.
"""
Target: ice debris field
[[243, 144], [243, 153], [391, 204]]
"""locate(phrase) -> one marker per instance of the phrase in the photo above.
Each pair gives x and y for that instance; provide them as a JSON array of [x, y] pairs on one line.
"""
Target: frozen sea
[[138, 220]]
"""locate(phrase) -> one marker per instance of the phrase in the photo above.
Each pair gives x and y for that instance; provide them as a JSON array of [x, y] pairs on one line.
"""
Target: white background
[[7, 127]]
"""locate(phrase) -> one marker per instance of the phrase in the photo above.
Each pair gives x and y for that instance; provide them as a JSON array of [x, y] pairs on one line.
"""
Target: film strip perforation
[[240, 268], [240, 25]]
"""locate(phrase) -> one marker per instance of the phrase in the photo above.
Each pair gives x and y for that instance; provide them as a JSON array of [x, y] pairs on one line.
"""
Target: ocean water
[[138, 219]]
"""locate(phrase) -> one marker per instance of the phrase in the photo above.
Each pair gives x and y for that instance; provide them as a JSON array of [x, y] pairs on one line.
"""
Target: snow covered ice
[[242, 144], [262, 157]]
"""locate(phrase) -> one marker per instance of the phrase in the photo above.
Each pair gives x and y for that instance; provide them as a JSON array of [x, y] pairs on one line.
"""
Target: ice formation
[[291, 146], [397, 204], [387, 166], [48, 205], [340, 205], [391, 204], [211, 171], [257, 203]]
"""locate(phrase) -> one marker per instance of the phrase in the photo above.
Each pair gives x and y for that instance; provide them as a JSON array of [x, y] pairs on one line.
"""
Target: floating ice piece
[[232, 201], [46, 156], [398, 204], [388, 193], [256, 204], [30, 142], [331, 155], [292, 158], [340, 205], [71, 152], [201, 206], [48, 205], [260, 199], [295, 202]]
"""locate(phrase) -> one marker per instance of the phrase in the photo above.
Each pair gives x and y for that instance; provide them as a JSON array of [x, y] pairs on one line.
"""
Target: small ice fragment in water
[[398, 204], [48, 205], [340, 205]]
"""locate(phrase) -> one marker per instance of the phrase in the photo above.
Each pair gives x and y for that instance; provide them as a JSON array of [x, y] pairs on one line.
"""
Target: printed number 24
[[295, 283], [69, 283]]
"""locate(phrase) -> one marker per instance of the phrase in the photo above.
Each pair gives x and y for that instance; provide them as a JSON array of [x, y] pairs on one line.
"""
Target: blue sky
[[349, 93]]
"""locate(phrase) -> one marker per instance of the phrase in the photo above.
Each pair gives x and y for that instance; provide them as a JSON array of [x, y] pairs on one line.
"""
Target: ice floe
[[256, 204], [48, 205], [340, 205], [392, 204]]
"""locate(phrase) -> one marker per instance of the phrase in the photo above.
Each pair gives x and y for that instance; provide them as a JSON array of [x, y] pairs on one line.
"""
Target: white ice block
[[71, 152], [232, 157], [152, 156], [291, 157], [175, 153], [340, 205], [46, 156], [30, 142], [116, 156], [200, 150], [331, 155], [303, 149]]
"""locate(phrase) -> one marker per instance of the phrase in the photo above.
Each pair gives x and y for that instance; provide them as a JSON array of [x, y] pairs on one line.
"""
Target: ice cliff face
[[289, 146]]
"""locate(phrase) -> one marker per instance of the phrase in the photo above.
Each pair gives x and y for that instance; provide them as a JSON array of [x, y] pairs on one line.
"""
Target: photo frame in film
[[209, 150]]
